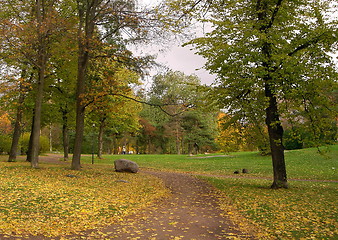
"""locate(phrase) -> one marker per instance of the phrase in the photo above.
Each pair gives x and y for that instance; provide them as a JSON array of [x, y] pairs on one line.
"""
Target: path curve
[[191, 212]]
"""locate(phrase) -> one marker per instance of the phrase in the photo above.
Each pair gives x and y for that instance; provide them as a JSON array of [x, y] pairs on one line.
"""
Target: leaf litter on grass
[[48, 202], [305, 211]]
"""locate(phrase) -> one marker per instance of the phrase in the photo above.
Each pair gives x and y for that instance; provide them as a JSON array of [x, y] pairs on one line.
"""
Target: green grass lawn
[[307, 210], [301, 164]]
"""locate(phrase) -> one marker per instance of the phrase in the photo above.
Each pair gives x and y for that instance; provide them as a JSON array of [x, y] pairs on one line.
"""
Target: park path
[[191, 212]]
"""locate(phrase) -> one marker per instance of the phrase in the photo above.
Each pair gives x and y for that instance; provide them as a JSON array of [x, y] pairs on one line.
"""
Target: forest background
[[69, 81]]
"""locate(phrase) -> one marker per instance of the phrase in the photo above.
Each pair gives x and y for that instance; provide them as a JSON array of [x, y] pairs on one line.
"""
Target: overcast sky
[[180, 58]]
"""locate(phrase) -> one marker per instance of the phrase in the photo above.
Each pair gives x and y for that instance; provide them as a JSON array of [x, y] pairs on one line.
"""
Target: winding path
[[191, 212]]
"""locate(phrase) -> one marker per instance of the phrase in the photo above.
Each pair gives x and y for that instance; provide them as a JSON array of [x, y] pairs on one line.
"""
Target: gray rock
[[71, 176], [122, 181], [124, 165]]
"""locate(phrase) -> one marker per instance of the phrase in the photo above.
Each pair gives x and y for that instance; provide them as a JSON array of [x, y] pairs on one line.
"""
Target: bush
[[5, 144], [292, 140], [24, 141]]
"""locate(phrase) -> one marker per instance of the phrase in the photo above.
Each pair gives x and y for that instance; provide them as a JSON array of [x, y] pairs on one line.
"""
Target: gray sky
[[180, 58]]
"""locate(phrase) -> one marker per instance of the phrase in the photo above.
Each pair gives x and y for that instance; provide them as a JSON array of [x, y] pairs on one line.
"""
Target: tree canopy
[[272, 61]]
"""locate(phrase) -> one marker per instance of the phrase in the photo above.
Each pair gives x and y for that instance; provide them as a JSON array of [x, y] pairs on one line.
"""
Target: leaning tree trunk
[[16, 135], [275, 131]]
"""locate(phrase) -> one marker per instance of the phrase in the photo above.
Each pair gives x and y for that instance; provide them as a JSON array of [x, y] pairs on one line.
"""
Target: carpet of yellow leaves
[[54, 201]]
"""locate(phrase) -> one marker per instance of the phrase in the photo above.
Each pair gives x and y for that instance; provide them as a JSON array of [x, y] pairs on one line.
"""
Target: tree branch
[[274, 14], [306, 44]]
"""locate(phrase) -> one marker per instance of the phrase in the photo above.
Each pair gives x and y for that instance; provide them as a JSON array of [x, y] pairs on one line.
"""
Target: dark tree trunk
[[16, 135], [29, 149], [17, 126], [65, 135], [41, 66], [100, 140], [275, 131], [80, 111], [35, 134], [87, 15]]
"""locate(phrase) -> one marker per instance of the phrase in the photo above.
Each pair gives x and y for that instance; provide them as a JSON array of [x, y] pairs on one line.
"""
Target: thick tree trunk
[[80, 111], [275, 131]]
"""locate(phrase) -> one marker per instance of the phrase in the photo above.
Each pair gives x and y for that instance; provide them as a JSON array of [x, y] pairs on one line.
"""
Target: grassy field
[[301, 164], [308, 210]]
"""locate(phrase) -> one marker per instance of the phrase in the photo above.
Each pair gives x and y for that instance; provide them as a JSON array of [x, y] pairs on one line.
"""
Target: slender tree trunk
[[16, 135], [275, 131], [100, 140], [65, 135], [41, 66], [30, 143], [17, 126], [35, 134], [87, 15]]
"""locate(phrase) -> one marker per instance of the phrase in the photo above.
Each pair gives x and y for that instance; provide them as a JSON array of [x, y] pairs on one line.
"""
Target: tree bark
[[275, 131], [65, 135], [17, 126], [80, 110], [100, 139], [87, 16], [41, 67], [35, 134]]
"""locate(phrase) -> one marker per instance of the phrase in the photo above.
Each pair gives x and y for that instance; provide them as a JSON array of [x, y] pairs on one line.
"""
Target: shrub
[[24, 141], [5, 144]]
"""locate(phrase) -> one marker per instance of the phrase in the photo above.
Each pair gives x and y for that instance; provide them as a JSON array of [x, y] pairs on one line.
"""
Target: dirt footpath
[[191, 212]]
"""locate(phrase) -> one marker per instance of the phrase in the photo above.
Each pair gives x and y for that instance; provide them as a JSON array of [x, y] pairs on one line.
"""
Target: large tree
[[271, 58], [101, 23], [180, 120], [28, 29]]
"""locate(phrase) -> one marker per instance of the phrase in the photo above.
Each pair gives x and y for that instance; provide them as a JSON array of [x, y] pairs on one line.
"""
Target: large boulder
[[124, 165]]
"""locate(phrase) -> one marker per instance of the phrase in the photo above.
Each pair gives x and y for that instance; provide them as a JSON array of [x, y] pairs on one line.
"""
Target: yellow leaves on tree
[[5, 124]]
